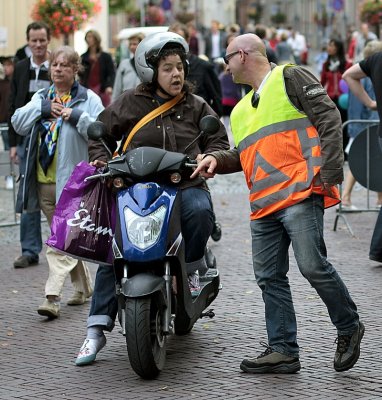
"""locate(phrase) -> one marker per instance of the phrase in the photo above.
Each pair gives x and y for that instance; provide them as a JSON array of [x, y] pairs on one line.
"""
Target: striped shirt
[[38, 77]]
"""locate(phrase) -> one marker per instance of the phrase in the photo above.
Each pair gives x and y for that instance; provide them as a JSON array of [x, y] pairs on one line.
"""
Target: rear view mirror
[[96, 130], [209, 124]]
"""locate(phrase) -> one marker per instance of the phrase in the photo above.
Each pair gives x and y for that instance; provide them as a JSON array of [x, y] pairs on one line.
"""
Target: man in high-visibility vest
[[288, 139]]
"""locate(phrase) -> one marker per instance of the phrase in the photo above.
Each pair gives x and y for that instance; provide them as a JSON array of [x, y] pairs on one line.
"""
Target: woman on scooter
[[161, 64]]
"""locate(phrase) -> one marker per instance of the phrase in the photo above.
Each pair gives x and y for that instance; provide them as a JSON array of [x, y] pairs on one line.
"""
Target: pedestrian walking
[[370, 67], [98, 71], [30, 75], [291, 182], [127, 77], [55, 124]]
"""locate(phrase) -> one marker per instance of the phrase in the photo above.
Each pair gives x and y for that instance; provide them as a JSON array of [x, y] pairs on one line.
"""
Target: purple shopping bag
[[84, 220]]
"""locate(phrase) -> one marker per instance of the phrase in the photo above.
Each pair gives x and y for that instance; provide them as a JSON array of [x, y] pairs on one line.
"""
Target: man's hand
[[327, 187], [13, 155], [205, 168]]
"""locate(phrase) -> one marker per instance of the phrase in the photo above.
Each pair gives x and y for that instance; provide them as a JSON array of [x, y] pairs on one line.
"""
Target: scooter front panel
[[139, 205]]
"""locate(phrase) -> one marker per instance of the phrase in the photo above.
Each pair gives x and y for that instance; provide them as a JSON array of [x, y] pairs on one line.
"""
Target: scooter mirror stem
[[106, 147]]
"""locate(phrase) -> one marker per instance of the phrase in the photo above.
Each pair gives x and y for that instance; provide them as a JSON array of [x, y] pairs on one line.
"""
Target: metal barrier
[[365, 162]]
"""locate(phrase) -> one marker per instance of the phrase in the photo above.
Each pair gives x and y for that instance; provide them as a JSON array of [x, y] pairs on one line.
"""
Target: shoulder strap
[[147, 118]]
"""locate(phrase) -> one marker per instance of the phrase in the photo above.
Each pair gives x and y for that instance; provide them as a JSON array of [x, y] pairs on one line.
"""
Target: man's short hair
[[37, 25]]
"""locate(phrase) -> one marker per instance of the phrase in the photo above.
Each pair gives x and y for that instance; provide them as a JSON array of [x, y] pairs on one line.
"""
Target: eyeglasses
[[230, 55]]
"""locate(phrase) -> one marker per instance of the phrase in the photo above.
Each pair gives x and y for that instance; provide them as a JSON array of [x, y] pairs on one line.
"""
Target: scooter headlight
[[143, 232]]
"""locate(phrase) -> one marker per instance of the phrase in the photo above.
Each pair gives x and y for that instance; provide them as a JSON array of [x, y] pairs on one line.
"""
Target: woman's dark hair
[[339, 45], [170, 50]]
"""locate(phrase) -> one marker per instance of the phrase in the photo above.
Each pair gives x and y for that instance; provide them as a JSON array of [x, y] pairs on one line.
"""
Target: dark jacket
[[203, 76], [306, 93], [18, 97], [174, 130], [107, 70], [5, 88], [208, 44]]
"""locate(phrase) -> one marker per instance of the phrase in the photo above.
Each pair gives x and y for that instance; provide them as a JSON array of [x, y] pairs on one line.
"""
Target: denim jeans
[[30, 223], [197, 222], [30, 234], [301, 225]]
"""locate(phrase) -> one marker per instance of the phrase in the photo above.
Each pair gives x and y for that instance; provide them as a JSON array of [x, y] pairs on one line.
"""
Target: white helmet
[[148, 52]]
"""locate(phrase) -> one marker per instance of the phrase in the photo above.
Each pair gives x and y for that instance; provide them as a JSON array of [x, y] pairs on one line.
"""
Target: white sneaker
[[193, 283], [9, 182], [90, 349]]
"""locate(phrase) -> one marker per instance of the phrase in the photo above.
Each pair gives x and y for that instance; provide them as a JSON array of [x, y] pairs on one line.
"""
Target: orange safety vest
[[279, 148]]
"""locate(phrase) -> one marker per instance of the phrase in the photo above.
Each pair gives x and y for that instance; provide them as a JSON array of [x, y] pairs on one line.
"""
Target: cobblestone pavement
[[37, 356]]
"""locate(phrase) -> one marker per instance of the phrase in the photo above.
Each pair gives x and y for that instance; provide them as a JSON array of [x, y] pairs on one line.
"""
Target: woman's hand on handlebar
[[205, 168], [98, 163]]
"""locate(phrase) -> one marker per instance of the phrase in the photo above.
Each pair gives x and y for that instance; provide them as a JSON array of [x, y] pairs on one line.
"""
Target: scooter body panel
[[143, 199]]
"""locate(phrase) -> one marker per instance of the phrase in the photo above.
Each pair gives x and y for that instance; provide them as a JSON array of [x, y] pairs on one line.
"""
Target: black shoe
[[348, 349], [271, 362], [216, 234], [25, 261]]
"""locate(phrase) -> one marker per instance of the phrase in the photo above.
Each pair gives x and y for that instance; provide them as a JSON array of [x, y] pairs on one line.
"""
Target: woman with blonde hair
[[56, 121]]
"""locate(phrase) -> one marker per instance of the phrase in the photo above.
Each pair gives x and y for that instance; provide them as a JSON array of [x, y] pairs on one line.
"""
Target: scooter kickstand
[[210, 313]]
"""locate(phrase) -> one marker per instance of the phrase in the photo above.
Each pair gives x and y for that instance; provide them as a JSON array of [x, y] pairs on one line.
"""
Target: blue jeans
[[301, 225], [197, 220], [30, 223]]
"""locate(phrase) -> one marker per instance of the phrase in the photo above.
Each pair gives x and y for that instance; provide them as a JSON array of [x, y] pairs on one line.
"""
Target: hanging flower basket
[[371, 11], [65, 17]]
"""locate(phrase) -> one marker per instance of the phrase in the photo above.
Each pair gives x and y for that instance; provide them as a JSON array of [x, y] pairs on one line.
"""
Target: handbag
[[83, 223]]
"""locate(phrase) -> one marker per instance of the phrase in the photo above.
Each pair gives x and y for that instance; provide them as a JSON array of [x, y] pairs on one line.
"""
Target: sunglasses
[[227, 57]]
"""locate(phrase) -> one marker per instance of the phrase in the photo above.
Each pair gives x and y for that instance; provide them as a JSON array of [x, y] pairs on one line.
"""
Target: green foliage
[[371, 11], [118, 6]]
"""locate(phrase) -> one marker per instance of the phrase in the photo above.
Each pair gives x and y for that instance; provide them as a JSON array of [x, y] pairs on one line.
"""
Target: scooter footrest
[[209, 275]]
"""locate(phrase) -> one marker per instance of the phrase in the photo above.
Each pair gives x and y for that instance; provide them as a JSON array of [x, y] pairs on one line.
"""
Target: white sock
[[94, 332]]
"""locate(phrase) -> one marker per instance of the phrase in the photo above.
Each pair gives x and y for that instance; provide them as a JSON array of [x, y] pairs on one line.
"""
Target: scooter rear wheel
[[146, 344]]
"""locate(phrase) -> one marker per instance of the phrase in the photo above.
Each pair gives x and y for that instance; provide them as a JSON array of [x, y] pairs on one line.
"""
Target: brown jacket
[[307, 94], [173, 131]]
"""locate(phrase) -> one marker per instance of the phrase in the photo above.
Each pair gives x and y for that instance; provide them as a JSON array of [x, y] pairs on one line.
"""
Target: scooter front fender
[[142, 285]]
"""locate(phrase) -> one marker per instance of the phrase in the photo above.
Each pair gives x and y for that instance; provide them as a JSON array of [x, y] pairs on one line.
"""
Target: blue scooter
[[154, 299]]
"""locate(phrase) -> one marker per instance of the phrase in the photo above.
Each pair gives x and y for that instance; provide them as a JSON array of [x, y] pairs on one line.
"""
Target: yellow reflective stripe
[[274, 107]]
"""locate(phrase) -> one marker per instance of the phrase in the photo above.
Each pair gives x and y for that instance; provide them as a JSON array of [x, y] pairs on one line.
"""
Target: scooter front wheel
[[146, 344]]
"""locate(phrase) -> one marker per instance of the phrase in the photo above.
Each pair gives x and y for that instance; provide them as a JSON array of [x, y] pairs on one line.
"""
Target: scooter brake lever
[[97, 176]]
